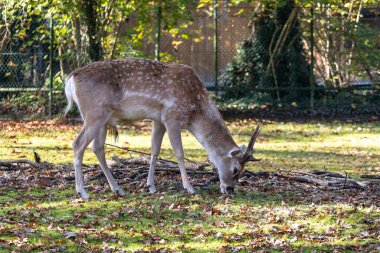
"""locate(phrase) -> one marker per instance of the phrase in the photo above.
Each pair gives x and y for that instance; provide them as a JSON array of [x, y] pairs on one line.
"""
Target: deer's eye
[[236, 170]]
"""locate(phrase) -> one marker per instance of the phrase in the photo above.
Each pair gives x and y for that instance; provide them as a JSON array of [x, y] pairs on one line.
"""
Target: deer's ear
[[235, 153], [242, 148]]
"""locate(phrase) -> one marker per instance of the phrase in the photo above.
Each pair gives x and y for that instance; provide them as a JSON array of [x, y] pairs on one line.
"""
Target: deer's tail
[[70, 92]]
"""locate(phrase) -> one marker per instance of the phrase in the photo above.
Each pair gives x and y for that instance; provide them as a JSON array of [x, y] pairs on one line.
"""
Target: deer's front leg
[[157, 135], [174, 132]]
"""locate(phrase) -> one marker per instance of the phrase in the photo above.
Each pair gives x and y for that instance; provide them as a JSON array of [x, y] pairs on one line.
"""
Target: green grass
[[39, 219], [180, 221], [351, 148]]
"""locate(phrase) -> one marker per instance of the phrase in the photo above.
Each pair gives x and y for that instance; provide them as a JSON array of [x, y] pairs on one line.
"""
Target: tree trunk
[[89, 12]]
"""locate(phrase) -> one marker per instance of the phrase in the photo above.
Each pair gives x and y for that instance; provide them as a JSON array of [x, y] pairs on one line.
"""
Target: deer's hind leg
[[88, 132], [98, 148]]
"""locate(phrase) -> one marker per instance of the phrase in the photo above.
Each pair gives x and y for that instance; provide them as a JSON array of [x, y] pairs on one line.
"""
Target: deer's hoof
[[120, 192], [83, 194], [152, 189], [191, 190]]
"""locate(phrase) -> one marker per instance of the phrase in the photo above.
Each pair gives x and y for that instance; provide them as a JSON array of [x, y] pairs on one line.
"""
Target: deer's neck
[[210, 130]]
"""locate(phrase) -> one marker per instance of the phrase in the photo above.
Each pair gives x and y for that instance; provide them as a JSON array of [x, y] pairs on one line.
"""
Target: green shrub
[[252, 67]]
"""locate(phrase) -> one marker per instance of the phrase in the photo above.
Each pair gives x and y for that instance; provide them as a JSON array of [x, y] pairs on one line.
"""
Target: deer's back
[[141, 86]]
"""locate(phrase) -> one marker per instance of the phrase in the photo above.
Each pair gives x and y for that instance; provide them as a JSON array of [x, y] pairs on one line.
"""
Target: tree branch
[[12, 163]]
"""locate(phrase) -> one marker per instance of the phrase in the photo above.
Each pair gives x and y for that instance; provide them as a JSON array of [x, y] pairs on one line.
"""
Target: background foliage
[[81, 26], [276, 55], [270, 57]]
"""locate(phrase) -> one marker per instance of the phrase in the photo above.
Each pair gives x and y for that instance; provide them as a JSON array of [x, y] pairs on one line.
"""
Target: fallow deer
[[171, 95]]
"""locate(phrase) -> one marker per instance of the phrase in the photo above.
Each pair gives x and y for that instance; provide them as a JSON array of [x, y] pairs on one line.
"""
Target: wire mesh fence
[[26, 77], [208, 43], [28, 69], [20, 71], [22, 84]]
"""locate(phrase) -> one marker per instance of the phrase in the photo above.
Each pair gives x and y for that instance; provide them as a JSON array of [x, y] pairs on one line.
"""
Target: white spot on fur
[[169, 102]]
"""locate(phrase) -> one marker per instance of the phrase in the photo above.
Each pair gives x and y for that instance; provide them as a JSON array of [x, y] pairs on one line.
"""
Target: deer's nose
[[230, 189]]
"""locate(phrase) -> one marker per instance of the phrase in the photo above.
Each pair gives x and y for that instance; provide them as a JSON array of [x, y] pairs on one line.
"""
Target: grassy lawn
[[270, 218], [340, 147]]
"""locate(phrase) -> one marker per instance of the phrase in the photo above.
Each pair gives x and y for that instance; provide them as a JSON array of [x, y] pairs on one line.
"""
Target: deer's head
[[235, 162]]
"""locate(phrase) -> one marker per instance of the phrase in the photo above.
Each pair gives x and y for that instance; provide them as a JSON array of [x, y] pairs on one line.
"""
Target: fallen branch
[[370, 176], [165, 165], [345, 184], [304, 179], [96, 176], [14, 168], [199, 165], [250, 174], [327, 173], [11, 164], [318, 178], [141, 176]]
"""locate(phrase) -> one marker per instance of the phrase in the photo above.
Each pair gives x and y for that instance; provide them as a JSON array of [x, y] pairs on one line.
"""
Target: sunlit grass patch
[[351, 148]]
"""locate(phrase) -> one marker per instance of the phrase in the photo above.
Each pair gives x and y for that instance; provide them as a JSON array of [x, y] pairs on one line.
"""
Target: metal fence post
[[158, 34], [51, 66], [311, 75], [216, 67]]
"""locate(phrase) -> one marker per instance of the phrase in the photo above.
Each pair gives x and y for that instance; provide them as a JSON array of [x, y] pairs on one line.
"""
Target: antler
[[248, 153], [248, 157]]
